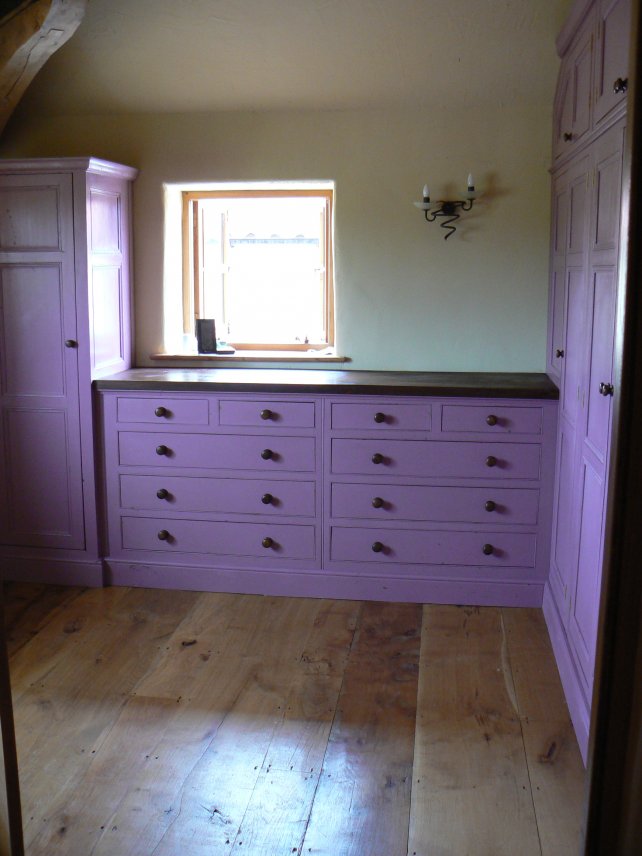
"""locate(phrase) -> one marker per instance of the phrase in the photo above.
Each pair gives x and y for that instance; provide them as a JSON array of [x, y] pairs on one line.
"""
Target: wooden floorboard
[[157, 722], [552, 754], [471, 790]]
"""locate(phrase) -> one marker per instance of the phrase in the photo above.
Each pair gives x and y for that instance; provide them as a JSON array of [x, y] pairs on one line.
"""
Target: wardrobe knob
[[491, 461], [71, 343], [266, 454], [491, 419], [163, 535], [567, 137], [267, 499], [162, 493], [559, 353], [379, 418], [268, 542], [377, 502], [490, 505], [161, 411], [620, 85], [607, 389], [377, 458], [266, 414], [377, 547], [488, 549], [163, 450]]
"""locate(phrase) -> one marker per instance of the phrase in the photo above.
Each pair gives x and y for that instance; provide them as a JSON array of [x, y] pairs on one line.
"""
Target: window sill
[[254, 356]]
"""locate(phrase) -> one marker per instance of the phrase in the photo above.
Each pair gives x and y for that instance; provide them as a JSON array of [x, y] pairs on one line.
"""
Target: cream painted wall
[[405, 298]]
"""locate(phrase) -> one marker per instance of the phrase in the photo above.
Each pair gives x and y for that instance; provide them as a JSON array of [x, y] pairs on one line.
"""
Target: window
[[259, 261]]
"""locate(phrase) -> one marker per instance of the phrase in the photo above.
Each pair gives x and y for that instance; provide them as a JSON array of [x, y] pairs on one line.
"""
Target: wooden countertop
[[336, 382]]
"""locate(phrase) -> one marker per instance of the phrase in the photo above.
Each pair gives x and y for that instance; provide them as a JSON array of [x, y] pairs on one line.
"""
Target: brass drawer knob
[[488, 549], [163, 450], [379, 418], [267, 499], [162, 493], [266, 454], [490, 505], [377, 458], [161, 411], [491, 461], [267, 542], [377, 502], [71, 343], [266, 414], [377, 547], [163, 535], [491, 419]]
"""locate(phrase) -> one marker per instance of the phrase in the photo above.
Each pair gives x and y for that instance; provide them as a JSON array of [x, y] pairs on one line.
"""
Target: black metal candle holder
[[446, 209]]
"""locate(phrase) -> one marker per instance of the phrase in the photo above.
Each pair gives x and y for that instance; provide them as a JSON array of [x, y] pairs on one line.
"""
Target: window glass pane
[[263, 270]]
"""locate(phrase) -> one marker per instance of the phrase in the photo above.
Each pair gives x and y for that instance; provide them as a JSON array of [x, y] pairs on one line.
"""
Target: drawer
[[163, 410], [263, 414], [212, 451], [486, 461], [220, 539], [491, 419], [233, 496], [432, 548], [439, 504], [380, 417]]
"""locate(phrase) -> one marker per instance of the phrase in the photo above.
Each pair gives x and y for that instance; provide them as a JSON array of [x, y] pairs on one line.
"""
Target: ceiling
[[210, 55]]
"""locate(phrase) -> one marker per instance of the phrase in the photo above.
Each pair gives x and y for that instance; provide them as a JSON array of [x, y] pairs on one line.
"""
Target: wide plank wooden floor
[[185, 723]]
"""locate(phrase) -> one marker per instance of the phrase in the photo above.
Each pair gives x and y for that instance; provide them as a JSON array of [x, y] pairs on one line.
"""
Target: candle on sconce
[[426, 193], [471, 186]]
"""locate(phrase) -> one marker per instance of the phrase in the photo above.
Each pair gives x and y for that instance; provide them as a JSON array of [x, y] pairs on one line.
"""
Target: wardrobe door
[[41, 499], [611, 67], [597, 386]]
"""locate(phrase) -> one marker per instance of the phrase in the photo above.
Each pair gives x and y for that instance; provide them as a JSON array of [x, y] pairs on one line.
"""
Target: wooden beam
[[29, 35]]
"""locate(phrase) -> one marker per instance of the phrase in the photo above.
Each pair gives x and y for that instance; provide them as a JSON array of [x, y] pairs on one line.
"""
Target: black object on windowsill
[[206, 335]]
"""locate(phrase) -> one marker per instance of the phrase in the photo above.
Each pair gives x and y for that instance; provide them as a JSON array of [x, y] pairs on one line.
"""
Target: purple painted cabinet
[[413, 498], [586, 223], [64, 315]]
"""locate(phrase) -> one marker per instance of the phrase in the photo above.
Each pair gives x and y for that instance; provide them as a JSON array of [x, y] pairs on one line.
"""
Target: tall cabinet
[[64, 321], [588, 144]]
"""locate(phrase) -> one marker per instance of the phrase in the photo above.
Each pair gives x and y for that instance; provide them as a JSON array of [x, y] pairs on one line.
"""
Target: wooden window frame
[[192, 286]]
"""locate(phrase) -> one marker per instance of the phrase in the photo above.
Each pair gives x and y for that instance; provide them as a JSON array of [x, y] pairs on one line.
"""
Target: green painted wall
[[405, 298]]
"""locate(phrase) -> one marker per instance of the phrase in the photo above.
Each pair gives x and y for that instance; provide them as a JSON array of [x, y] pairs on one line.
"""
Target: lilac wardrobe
[[588, 145], [65, 314]]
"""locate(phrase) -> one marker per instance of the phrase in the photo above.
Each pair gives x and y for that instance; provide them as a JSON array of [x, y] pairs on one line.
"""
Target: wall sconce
[[447, 208]]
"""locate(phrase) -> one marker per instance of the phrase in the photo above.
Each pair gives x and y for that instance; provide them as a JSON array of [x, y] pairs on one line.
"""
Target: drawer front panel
[[439, 460], [491, 419], [380, 417], [225, 452], [264, 414], [163, 410], [233, 496], [217, 538], [439, 504], [432, 548]]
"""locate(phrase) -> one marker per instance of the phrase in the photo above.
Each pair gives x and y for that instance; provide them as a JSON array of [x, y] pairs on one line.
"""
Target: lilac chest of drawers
[[364, 490]]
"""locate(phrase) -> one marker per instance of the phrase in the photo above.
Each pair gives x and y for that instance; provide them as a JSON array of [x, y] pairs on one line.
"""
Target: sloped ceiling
[[208, 55]]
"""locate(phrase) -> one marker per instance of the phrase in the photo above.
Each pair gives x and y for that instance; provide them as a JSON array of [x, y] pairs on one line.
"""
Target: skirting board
[[64, 572], [578, 707], [323, 584]]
